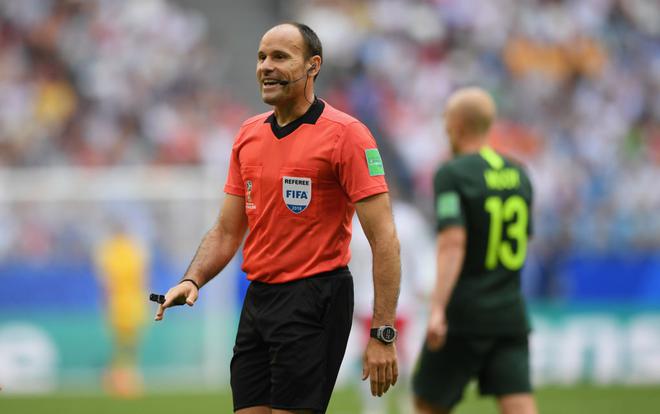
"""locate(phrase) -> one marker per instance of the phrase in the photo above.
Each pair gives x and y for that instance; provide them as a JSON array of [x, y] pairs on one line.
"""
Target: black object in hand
[[157, 298]]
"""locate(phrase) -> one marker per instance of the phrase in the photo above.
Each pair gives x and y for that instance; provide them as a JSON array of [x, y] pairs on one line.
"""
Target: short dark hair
[[312, 42]]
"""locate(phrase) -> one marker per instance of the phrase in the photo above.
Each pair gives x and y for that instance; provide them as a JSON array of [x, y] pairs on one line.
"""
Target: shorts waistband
[[342, 271]]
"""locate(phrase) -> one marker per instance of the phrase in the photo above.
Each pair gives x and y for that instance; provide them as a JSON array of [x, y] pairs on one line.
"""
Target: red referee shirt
[[299, 183]]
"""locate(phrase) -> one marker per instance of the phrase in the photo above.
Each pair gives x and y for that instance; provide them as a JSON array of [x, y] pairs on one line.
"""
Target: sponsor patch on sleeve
[[374, 162], [448, 205]]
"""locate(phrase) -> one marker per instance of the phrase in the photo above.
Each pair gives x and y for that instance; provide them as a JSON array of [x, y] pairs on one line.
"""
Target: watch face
[[388, 334]]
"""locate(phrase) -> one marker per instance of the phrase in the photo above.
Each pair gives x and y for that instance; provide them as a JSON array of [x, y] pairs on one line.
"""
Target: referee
[[297, 175]]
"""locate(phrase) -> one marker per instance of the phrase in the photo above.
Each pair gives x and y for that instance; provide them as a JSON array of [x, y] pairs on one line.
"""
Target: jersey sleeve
[[234, 184], [358, 164], [449, 209]]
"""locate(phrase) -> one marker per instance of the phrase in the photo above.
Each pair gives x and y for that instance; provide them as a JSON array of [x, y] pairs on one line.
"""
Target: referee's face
[[281, 58]]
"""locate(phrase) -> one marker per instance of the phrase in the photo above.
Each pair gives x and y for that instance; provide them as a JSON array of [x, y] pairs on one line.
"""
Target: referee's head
[[311, 42], [288, 61]]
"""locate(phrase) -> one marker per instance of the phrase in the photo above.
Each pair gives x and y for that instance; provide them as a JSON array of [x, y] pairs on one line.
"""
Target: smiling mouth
[[271, 82]]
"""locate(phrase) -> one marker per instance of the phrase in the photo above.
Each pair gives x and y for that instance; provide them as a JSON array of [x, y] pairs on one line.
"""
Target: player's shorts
[[291, 340], [501, 365]]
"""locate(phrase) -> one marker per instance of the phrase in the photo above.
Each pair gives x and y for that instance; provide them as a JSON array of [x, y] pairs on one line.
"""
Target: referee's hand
[[380, 364], [183, 293]]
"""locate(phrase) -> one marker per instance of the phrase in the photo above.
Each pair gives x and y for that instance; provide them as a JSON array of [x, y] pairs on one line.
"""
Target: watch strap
[[377, 333]]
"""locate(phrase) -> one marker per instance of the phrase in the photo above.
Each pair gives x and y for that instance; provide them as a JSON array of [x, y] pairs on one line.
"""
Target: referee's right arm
[[216, 250]]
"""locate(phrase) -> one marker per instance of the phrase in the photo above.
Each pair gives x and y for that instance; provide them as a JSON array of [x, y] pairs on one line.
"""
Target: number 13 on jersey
[[508, 222]]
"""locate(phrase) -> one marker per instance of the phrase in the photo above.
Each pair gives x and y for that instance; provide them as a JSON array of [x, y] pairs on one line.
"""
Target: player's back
[[491, 197]]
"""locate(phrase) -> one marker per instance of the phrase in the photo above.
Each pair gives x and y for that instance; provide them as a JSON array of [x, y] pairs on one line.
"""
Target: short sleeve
[[449, 209], [358, 163], [234, 184]]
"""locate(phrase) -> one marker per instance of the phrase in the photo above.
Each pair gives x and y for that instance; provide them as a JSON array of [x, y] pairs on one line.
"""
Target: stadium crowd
[[108, 83], [577, 83]]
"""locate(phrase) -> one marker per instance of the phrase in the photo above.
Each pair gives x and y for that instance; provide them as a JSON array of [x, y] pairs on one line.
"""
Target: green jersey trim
[[492, 158]]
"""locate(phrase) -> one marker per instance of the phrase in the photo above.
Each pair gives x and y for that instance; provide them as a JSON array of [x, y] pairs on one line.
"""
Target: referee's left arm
[[375, 214]]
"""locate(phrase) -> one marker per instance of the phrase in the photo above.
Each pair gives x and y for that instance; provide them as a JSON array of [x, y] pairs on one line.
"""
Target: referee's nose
[[265, 68]]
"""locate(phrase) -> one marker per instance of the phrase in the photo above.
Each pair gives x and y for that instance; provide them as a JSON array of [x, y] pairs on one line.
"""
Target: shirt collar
[[310, 117]]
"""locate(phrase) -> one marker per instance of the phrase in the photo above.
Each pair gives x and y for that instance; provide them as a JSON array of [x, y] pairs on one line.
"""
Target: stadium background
[[124, 111]]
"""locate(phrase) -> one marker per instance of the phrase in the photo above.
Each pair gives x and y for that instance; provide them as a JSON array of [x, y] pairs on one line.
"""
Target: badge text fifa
[[297, 193]]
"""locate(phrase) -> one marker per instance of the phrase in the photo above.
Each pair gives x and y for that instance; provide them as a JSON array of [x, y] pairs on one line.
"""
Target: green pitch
[[574, 400]]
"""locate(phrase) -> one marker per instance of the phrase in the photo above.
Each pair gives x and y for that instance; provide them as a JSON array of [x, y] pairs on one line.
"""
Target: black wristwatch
[[385, 334]]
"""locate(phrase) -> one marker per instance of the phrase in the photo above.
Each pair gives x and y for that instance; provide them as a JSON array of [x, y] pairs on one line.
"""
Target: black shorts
[[501, 365], [291, 340]]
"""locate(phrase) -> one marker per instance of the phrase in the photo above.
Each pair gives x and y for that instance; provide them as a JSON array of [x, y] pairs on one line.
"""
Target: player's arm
[[451, 244], [375, 214], [216, 250]]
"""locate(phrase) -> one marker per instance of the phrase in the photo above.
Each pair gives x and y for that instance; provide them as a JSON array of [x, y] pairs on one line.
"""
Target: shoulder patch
[[374, 162], [448, 205]]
